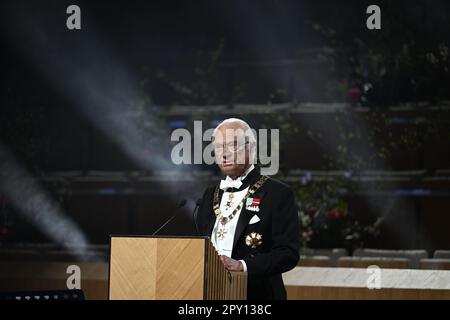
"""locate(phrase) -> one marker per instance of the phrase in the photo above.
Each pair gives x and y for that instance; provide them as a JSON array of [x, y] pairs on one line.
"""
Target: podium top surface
[[156, 236]]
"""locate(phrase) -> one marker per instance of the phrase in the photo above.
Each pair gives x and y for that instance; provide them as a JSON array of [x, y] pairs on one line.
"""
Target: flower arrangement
[[325, 218]]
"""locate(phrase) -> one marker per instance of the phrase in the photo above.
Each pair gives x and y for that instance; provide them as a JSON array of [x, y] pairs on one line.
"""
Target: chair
[[333, 254], [364, 262], [435, 264], [441, 254], [414, 256], [314, 261]]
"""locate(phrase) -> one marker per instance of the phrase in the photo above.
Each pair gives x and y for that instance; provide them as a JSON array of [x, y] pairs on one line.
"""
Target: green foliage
[[325, 218]]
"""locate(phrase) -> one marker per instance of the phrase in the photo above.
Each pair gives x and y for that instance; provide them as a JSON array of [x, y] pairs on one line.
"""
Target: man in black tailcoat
[[252, 219]]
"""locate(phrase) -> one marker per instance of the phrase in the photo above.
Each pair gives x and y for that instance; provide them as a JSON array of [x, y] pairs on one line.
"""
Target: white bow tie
[[228, 183]]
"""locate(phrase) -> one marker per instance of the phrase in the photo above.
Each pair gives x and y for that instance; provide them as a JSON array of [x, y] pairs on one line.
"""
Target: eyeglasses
[[230, 147]]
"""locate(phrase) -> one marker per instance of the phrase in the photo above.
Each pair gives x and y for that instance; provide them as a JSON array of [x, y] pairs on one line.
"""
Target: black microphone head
[[199, 201]]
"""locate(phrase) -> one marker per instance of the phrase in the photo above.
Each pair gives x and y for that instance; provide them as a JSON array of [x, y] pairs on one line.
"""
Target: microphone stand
[[181, 205], [195, 213]]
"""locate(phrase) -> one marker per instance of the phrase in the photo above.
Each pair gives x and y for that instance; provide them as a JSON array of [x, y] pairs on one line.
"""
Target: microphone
[[181, 205], [198, 203]]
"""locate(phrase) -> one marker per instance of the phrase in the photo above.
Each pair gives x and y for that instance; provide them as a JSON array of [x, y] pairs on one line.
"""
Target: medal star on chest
[[221, 233]]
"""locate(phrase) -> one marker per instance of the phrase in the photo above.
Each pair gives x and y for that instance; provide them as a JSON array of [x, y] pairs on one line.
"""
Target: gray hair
[[241, 124]]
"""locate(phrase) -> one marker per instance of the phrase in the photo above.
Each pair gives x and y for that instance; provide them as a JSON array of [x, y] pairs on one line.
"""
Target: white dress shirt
[[225, 246]]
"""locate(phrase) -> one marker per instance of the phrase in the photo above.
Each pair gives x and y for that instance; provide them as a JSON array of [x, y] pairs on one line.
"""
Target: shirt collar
[[244, 175]]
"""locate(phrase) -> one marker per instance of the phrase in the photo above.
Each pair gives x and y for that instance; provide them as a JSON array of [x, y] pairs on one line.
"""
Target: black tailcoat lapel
[[246, 215]]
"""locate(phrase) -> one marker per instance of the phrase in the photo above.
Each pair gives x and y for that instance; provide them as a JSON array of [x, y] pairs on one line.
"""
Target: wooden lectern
[[170, 268]]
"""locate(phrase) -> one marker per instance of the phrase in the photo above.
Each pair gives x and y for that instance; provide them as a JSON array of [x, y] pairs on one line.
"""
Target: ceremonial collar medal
[[218, 213]]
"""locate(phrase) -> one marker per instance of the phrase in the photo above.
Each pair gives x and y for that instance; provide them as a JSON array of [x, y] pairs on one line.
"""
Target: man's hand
[[231, 264]]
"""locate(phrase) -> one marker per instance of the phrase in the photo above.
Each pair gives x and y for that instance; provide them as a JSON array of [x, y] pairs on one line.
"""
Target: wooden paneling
[[343, 293], [156, 268], [236, 286], [163, 268], [221, 283], [180, 268]]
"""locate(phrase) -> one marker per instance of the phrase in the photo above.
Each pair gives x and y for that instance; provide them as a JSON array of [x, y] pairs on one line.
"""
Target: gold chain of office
[[216, 207]]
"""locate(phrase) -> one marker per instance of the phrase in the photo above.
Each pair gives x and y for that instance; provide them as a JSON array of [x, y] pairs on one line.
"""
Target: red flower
[[354, 93], [335, 214], [311, 212]]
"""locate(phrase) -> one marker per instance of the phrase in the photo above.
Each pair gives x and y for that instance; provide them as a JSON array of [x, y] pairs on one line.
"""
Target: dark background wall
[[136, 61]]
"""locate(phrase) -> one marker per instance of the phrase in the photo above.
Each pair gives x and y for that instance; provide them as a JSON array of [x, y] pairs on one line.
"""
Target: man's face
[[231, 150]]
